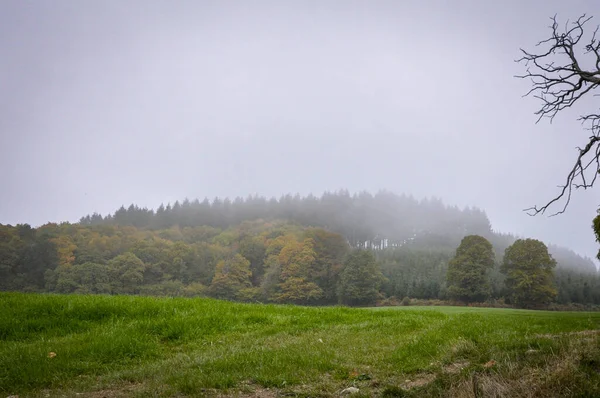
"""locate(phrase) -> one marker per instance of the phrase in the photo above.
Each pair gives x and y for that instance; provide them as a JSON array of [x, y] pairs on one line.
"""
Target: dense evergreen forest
[[337, 248]]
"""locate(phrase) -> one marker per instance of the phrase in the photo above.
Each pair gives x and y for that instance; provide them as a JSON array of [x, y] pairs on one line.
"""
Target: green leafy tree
[[61, 280], [180, 255], [529, 271], [596, 228], [253, 248], [468, 271], [38, 256], [92, 278], [10, 248], [232, 276], [330, 250], [88, 278], [360, 279], [127, 273]]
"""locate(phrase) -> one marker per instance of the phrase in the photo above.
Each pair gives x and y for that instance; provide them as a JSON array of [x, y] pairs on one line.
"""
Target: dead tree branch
[[562, 72]]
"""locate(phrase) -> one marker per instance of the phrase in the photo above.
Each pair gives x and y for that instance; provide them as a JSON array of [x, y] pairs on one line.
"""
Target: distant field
[[109, 346]]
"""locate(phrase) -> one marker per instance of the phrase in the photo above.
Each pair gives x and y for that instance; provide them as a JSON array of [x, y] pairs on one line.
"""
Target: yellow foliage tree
[[296, 259], [65, 250]]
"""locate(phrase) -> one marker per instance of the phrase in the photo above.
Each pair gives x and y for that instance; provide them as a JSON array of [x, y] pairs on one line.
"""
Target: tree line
[[365, 220], [422, 273], [382, 220], [255, 261], [304, 251]]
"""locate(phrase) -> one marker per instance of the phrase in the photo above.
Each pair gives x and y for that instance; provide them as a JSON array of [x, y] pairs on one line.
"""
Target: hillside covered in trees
[[337, 248]]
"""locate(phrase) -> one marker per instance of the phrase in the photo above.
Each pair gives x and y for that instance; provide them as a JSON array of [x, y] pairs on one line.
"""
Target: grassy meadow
[[111, 346]]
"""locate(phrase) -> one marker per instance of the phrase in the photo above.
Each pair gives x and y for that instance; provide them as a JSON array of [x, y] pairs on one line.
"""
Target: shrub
[[388, 302], [194, 290]]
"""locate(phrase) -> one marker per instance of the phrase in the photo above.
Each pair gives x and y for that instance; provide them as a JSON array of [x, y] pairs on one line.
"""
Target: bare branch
[[559, 80]]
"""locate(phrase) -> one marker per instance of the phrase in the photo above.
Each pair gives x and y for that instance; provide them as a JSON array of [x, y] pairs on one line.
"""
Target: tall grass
[[161, 346]]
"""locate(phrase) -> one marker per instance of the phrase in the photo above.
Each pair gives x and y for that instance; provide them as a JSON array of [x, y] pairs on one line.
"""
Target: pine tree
[[360, 279]]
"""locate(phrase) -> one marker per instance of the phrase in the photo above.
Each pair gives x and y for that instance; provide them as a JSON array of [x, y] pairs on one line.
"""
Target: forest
[[339, 248]]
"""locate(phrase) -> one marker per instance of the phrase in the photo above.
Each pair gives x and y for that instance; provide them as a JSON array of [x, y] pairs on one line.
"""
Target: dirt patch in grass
[[256, 393], [582, 333], [419, 381], [456, 367], [126, 390]]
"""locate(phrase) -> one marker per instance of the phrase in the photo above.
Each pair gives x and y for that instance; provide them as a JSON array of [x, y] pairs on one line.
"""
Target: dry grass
[[557, 376]]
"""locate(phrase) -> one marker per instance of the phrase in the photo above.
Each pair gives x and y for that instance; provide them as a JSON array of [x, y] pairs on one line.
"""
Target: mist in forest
[[104, 104]]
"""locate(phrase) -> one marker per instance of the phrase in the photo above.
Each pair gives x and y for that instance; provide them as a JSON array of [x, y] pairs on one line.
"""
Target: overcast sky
[[104, 103]]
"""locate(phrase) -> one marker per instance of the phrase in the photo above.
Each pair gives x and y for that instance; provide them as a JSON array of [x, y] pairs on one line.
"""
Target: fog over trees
[[338, 248], [227, 100], [115, 103]]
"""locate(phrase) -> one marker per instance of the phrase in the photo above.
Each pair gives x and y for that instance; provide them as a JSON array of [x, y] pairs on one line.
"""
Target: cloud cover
[[109, 103]]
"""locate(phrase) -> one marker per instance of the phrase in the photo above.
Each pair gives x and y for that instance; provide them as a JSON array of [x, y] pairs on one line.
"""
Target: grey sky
[[115, 102]]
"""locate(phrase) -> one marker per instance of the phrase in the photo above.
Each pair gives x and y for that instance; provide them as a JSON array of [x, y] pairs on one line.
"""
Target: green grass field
[[140, 346]]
